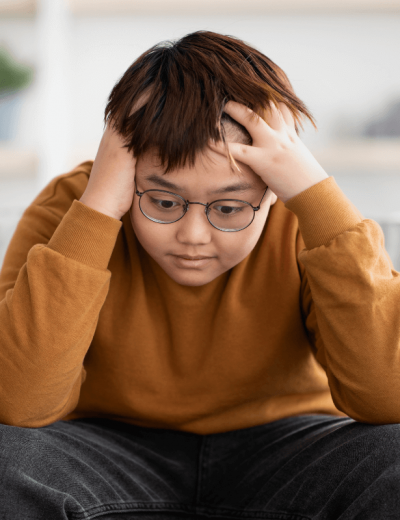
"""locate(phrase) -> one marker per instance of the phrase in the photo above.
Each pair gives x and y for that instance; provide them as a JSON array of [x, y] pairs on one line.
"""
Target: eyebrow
[[238, 186]]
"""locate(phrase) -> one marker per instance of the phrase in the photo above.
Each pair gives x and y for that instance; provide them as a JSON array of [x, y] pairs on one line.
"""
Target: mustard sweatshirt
[[91, 326]]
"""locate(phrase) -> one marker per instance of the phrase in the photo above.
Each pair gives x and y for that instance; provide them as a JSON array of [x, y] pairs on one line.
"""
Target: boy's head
[[167, 106]]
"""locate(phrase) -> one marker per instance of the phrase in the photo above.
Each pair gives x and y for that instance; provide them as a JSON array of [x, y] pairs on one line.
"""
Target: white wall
[[344, 67], [19, 35], [341, 66], [338, 65]]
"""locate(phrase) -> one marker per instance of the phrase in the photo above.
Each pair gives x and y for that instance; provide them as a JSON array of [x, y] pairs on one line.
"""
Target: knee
[[17, 443], [381, 440]]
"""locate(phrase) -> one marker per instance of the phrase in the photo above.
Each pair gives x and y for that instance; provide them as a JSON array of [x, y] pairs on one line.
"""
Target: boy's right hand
[[111, 187]]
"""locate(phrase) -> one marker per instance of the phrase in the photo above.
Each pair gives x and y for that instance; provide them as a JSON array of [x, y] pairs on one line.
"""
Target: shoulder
[[58, 195], [40, 219]]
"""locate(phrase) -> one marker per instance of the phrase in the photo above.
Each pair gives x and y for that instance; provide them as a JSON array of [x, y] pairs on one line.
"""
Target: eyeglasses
[[165, 207]]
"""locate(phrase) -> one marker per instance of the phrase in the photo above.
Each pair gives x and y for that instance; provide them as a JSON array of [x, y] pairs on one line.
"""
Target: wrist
[[92, 203], [302, 184]]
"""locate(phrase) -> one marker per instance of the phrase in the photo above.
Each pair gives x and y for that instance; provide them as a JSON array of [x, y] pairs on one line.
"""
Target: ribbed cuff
[[323, 212], [86, 235]]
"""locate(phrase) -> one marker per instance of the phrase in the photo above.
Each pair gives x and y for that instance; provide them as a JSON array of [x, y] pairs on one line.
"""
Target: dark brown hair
[[172, 97]]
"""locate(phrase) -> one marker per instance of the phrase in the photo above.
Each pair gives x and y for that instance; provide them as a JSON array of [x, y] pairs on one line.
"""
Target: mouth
[[187, 257], [193, 262]]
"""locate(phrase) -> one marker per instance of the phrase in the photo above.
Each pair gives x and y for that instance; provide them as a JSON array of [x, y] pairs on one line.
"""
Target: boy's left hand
[[277, 155]]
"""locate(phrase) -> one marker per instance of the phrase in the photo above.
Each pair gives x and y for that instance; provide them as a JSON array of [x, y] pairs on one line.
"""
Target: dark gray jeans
[[303, 467]]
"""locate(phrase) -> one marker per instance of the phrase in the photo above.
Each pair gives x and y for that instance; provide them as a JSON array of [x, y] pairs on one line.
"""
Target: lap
[[303, 467], [95, 468], [318, 467]]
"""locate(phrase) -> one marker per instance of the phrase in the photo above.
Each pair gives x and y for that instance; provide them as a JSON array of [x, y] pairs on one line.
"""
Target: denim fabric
[[303, 467]]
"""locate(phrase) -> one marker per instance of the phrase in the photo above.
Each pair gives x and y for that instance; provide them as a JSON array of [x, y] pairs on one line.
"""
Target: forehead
[[235, 186], [210, 171]]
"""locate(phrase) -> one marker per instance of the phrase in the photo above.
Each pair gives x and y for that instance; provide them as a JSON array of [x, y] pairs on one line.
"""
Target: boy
[[138, 379]]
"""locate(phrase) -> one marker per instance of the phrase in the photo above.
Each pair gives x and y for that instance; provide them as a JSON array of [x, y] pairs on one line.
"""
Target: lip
[[193, 264], [198, 257]]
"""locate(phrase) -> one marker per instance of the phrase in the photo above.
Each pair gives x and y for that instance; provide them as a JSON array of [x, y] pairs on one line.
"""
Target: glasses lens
[[226, 215], [162, 207], [230, 215]]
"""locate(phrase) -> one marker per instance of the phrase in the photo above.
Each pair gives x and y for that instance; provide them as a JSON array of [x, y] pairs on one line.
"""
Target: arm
[[350, 300], [53, 283]]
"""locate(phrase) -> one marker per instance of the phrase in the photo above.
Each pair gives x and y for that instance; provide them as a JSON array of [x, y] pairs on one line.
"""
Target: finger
[[240, 152], [274, 116], [287, 115], [254, 124], [218, 146]]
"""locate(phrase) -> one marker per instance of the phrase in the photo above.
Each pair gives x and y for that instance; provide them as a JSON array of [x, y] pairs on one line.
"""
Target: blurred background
[[59, 59]]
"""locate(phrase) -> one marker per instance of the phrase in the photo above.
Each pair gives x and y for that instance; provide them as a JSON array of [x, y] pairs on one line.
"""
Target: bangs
[[172, 97]]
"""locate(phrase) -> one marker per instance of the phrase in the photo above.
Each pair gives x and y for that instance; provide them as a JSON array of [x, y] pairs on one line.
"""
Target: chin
[[190, 279]]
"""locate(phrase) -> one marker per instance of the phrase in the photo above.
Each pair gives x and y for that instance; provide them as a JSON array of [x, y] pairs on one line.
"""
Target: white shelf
[[176, 7], [222, 7], [353, 156], [17, 7], [17, 162], [361, 156]]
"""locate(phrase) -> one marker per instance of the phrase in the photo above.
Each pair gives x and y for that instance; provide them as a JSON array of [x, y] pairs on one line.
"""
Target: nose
[[194, 227]]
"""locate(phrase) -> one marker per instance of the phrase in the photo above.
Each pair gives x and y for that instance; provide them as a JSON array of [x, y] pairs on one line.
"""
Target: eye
[[163, 201], [164, 204], [228, 210]]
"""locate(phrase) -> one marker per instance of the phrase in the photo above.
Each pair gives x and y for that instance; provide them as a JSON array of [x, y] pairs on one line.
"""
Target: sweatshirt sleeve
[[350, 300], [53, 284]]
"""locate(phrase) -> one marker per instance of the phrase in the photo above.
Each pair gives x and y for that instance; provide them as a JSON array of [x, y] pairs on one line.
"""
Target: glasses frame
[[206, 209]]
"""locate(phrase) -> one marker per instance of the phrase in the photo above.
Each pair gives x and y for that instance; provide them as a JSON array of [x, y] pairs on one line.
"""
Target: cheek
[[153, 237], [242, 244], [246, 240], [234, 247]]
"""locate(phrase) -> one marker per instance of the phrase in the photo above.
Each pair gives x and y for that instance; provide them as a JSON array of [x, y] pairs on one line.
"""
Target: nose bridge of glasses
[[200, 203]]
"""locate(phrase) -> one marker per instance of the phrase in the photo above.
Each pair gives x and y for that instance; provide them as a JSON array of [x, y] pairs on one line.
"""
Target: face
[[193, 235]]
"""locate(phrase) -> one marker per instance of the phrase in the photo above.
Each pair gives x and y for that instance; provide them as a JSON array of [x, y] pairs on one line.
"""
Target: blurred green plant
[[13, 75]]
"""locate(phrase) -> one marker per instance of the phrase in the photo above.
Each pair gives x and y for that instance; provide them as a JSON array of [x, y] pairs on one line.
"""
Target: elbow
[[30, 414], [368, 408], [23, 419]]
